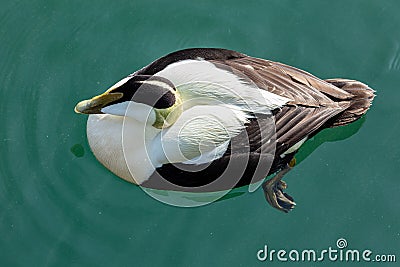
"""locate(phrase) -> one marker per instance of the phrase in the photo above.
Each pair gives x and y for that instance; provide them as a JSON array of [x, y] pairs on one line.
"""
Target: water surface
[[60, 207]]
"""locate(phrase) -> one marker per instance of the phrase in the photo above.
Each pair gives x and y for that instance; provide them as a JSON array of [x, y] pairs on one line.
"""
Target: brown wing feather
[[313, 101], [295, 123], [300, 86]]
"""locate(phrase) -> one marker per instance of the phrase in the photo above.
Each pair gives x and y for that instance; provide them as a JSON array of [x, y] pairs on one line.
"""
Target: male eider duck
[[207, 119]]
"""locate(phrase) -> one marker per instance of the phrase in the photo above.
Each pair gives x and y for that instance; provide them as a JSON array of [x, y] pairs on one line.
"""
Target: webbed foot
[[273, 191]]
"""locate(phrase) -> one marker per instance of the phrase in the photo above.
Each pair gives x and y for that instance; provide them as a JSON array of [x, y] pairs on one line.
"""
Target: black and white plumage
[[202, 108]]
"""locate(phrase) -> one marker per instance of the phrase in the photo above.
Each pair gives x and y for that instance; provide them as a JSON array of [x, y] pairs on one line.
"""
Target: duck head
[[148, 99]]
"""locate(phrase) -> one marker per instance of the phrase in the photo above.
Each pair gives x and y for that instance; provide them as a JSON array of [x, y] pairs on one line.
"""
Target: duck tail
[[359, 104]]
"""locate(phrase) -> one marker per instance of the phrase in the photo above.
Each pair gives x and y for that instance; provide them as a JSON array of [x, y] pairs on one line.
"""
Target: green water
[[60, 207]]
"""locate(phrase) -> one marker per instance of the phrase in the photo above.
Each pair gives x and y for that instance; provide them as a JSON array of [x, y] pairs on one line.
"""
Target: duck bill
[[95, 105]]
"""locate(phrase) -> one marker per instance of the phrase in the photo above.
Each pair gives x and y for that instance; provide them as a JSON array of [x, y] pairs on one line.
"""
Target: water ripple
[[394, 63]]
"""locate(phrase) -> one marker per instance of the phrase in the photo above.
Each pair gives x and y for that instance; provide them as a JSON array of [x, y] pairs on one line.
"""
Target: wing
[[301, 87], [314, 102]]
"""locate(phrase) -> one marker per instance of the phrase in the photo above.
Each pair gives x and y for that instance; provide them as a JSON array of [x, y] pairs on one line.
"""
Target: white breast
[[104, 133], [116, 140]]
